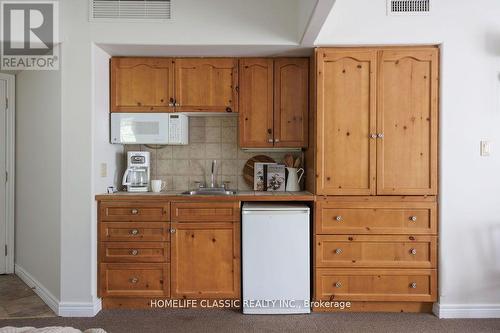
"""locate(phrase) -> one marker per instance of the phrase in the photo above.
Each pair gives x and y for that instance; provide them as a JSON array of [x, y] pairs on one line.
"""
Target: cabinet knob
[[338, 218], [276, 140], [413, 218], [134, 211], [338, 251], [134, 252], [177, 104], [413, 251], [413, 285], [380, 135], [133, 280], [338, 284], [270, 140], [228, 109], [373, 136], [134, 232], [172, 230]]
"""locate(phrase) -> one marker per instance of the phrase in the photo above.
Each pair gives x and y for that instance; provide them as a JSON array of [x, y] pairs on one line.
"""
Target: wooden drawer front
[[205, 211], [135, 280], [376, 285], [134, 231], [376, 251], [135, 211], [135, 252], [376, 218]]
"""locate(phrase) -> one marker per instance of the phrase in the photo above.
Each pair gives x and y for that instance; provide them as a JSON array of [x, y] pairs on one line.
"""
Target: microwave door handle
[[125, 176]]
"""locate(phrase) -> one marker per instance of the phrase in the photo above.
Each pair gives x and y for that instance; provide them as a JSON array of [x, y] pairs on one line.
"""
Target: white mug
[[158, 185]]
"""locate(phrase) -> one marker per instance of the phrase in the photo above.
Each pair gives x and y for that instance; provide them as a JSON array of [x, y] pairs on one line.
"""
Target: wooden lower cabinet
[[144, 257], [379, 253], [205, 260], [140, 280]]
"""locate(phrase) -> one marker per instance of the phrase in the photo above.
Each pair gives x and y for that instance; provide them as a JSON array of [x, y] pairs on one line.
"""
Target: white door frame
[[11, 135]]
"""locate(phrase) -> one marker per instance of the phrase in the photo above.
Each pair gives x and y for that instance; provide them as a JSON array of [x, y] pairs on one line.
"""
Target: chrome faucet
[[213, 175]]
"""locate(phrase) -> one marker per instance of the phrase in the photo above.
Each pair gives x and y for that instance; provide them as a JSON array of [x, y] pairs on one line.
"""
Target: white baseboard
[[80, 309], [38, 288], [466, 310], [63, 309]]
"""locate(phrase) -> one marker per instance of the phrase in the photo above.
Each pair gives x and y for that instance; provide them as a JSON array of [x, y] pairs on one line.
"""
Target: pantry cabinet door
[[205, 260], [256, 103], [346, 121], [291, 102], [408, 121], [142, 84], [206, 84]]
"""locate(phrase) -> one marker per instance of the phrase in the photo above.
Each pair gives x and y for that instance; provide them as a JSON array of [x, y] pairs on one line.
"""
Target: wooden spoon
[[288, 159], [297, 163]]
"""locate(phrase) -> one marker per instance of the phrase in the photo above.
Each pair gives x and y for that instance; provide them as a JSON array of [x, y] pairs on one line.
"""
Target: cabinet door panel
[[141, 84], [345, 120], [407, 117], [205, 260], [256, 103], [206, 84], [291, 102]]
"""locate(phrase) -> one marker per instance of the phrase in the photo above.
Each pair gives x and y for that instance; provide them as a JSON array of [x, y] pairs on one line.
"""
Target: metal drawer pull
[[172, 230], [338, 251], [413, 285], [134, 280], [134, 211], [134, 252], [413, 218], [413, 251], [338, 284], [373, 136], [134, 232], [380, 135], [338, 218]]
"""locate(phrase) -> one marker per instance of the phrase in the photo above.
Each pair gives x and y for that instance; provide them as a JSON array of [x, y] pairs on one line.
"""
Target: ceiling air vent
[[130, 10], [408, 7]]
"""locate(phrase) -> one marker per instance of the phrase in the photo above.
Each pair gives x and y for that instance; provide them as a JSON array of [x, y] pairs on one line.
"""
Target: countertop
[[239, 196]]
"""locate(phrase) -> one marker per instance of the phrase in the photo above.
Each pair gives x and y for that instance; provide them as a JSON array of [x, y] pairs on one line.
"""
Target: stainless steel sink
[[210, 191]]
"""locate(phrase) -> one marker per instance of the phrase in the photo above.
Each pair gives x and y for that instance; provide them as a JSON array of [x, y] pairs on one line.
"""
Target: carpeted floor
[[203, 320]]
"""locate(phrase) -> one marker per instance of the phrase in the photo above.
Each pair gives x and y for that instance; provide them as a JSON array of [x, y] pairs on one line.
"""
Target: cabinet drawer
[[135, 280], [205, 211], [135, 251], [376, 285], [134, 231], [134, 211], [376, 218], [376, 251]]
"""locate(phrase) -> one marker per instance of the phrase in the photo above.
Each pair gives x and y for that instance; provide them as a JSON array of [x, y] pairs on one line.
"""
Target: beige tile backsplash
[[210, 137]]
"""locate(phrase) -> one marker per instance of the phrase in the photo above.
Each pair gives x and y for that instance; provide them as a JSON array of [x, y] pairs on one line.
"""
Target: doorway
[[7, 126]]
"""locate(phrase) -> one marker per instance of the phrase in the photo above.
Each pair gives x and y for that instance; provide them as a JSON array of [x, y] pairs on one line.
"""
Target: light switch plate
[[485, 148], [104, 170]]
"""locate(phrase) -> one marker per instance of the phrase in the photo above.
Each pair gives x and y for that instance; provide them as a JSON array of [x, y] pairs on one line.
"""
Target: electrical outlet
[[485, 148], [104, 170]]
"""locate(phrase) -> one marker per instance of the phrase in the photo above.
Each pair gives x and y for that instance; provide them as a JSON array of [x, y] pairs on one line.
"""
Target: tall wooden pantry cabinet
[[375, 171]]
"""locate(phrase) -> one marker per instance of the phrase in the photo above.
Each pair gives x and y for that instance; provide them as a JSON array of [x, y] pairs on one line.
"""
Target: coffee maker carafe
[[137, 175]]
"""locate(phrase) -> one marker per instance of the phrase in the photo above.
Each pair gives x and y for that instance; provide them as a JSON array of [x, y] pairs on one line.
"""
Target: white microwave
[[149, 128]]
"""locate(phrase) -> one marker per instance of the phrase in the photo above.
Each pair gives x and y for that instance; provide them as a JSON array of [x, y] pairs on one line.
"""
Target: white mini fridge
[[276, 258]]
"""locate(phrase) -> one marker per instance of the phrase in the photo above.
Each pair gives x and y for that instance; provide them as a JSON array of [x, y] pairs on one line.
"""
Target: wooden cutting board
[[248, 169]]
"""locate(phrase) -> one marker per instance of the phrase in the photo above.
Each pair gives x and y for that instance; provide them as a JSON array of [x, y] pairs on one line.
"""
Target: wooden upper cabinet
[[291, 102], [256, 102], [346, 120], [408, 119], [141, 84], [206, 84]]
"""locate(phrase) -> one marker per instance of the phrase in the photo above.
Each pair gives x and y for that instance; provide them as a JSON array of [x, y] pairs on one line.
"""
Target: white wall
[[469, 265], [38, 182], [229, 22], [103, 151]]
